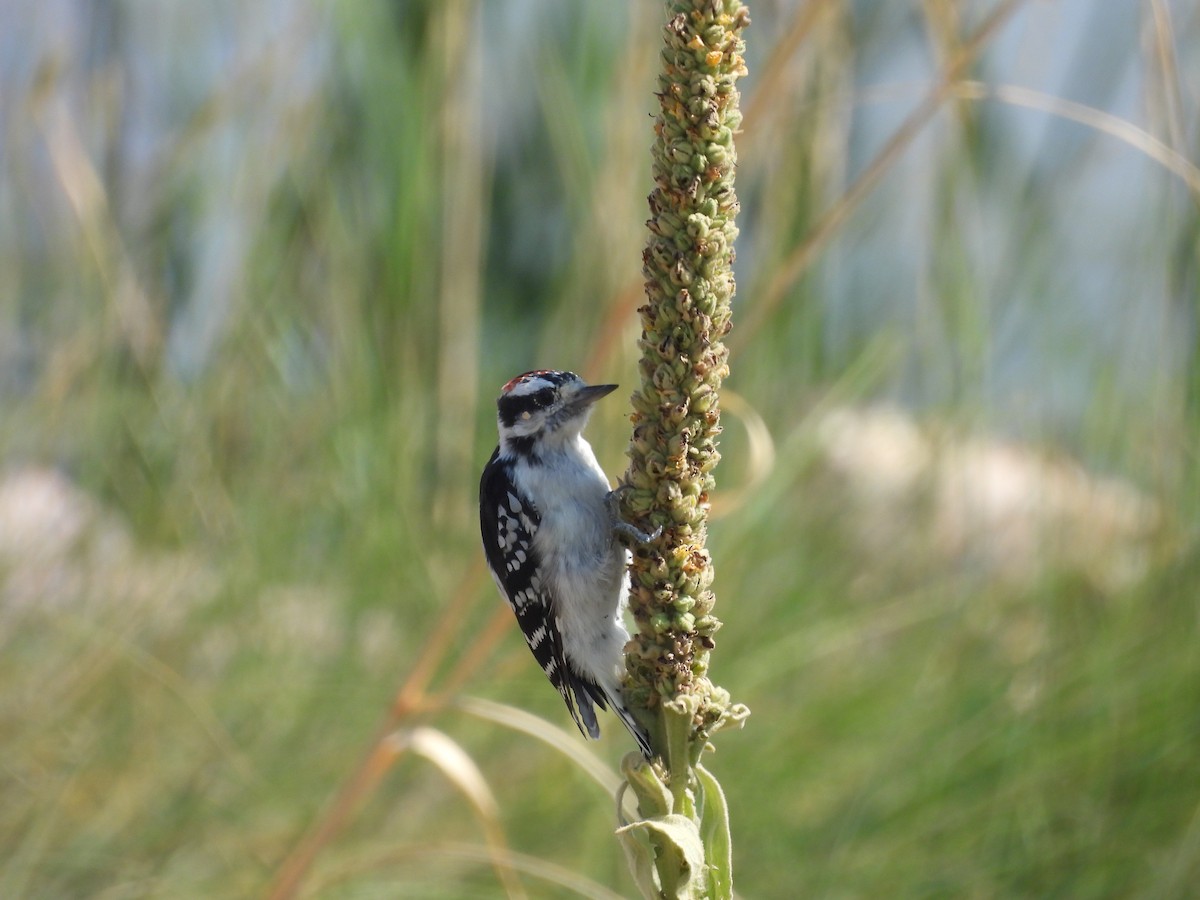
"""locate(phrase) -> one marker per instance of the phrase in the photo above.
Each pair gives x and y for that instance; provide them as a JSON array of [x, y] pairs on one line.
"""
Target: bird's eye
[[544, 397], [526, 415]]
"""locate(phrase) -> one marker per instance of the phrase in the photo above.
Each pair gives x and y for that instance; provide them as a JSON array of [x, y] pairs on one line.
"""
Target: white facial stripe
[[530, 386]]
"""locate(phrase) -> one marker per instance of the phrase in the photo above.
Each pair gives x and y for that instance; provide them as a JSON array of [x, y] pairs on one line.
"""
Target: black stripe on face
[[511, 406]]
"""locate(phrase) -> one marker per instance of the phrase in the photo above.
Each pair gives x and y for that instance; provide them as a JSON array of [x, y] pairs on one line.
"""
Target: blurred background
[[265, 267]]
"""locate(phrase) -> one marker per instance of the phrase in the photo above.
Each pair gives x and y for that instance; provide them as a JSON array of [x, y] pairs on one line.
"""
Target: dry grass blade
[[551, 735], [460, 769], [473, 657], [1114, 126], [798, 261], [762, 452], [290, 875], [85, 192], [191, 699], [541, 869], [381, 755], [412, 692], [765, 93], [1164, 48], [620, 313], [465, 185]]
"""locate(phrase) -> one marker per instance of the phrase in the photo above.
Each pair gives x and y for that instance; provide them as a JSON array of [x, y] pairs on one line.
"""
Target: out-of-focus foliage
[[264, 267]]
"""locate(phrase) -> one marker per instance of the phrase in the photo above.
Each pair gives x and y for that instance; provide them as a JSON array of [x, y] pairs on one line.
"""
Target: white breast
[[583, 562]]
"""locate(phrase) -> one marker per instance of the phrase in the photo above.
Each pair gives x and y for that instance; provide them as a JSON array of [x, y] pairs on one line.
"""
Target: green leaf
[[653, 797], [734, 718], [680, 861], [639, 854], [714, 829]]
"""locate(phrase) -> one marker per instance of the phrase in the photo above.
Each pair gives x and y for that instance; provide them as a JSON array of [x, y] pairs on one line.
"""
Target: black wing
[[508, 521]]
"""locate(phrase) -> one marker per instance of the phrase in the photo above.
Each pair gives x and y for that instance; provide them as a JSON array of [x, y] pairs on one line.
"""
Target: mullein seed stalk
[[688, 267]]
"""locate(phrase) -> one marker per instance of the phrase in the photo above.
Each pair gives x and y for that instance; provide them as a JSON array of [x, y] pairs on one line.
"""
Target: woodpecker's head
[[544, 407]]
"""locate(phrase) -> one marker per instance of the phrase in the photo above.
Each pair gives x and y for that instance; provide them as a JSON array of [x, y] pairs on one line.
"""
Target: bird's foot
[[620, 526]]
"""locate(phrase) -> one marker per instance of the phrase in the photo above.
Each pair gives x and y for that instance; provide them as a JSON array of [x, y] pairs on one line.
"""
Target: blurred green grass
[[270, 536]]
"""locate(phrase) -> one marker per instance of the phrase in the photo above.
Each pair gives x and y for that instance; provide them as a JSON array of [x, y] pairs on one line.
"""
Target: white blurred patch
[[62, 553], [1010, 510], [41, 513]]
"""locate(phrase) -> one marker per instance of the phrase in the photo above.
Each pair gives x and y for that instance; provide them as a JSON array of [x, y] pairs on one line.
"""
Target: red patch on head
[[520, 378]]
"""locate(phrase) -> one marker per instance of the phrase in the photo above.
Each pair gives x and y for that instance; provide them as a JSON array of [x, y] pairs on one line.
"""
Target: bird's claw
[[620, 526]]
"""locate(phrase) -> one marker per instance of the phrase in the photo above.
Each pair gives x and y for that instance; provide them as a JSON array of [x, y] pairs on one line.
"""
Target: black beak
[[590, 394]]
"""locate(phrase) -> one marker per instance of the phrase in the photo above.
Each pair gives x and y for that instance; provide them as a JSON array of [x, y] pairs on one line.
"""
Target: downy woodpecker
[[550, 526]]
